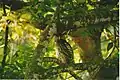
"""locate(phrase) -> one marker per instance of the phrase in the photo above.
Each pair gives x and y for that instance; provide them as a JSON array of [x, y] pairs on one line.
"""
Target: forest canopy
[[59, 39]]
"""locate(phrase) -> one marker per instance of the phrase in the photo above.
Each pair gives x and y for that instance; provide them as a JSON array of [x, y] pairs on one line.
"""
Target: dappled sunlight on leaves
[[59, 39]]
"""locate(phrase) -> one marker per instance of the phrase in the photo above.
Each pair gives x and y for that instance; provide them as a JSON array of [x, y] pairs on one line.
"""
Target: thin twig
[[6, 37]]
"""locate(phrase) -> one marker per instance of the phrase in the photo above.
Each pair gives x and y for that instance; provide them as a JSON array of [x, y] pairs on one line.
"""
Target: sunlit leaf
[[1, 46], [1, 37], [19, 31], [26, 16]]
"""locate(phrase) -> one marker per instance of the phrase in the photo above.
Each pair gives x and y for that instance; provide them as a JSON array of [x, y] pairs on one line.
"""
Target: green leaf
[[81, 1], [110, 45], [1, 37]]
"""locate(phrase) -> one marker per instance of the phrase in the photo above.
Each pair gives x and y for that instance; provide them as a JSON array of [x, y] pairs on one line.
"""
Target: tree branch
[[67, 68], [6, 37]]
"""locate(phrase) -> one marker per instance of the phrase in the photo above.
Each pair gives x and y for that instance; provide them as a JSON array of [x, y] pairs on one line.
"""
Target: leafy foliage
[[83, 32]]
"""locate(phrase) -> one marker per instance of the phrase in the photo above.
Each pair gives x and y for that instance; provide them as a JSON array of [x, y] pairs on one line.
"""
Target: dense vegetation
[[59, 39]]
